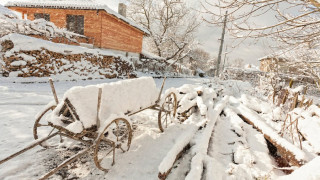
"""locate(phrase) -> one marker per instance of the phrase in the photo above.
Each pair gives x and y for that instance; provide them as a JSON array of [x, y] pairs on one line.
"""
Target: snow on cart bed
[[117, 98]]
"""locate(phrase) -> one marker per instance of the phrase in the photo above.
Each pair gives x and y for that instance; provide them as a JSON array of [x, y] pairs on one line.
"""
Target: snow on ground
[[235, 149], [19, 104]]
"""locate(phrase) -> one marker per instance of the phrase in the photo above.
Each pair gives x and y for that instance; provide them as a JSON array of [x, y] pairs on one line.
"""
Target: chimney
[[122, 10]]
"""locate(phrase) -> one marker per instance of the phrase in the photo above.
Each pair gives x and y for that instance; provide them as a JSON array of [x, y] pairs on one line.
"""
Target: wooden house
[[107, 28]]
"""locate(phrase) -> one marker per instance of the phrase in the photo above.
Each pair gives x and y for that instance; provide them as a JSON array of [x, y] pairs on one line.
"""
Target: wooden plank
[[163, 176], [150, 107], [164, 80], [72, 110], [285, 153], [53, 91]]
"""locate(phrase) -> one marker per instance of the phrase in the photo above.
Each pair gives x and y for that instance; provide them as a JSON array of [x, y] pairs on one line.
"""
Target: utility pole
[[221, 44], [225, 56]]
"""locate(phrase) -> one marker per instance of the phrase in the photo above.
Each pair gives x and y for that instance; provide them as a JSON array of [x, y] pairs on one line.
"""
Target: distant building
[[107, 28], [290, 61], [270, 63]]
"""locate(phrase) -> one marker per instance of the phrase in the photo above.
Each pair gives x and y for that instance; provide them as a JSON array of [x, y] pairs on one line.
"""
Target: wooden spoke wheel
[[116, 135], [41, 128], [167, 111]]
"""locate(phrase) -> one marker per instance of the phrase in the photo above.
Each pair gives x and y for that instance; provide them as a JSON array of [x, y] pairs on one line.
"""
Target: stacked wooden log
[[45, 63]]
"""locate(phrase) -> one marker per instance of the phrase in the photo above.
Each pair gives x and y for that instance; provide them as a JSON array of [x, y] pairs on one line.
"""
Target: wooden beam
[[65, 163], [28, 147], [315, 3], [285, 153]]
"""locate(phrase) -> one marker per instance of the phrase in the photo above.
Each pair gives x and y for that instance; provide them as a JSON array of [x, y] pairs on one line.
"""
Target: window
[[75, 23], [42, 16]]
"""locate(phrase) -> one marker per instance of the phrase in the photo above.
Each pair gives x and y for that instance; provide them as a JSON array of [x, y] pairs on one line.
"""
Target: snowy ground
[[20, 102], [225, 148]]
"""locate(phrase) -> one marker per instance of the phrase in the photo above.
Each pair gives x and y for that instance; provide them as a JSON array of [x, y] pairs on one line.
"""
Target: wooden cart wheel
[[41, 130], [167, 111], [116, 135]]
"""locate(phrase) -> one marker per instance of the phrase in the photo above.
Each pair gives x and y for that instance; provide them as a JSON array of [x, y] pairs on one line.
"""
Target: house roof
[[74, 4]]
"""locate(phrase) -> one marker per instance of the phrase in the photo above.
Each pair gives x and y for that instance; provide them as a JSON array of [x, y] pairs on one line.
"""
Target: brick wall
[[108, 31]]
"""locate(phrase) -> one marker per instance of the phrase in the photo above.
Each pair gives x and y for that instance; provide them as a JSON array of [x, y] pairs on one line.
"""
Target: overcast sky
[[208, 36]]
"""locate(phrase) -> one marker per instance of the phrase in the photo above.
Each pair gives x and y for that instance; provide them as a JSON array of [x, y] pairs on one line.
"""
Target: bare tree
[[198, 58], [171, 24], [294, 22], [237, 63]]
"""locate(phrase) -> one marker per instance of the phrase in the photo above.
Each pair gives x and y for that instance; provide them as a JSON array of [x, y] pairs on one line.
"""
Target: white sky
[[208, 37]]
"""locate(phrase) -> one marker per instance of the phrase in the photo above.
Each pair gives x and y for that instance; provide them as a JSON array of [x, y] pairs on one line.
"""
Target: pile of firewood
[[45, 63]]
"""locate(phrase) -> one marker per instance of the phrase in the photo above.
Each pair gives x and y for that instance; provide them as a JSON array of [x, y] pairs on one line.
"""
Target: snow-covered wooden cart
[[98, 116]]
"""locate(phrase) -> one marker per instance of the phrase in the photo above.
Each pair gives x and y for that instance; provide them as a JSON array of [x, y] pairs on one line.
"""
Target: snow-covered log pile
[[193, 98], [25, 56], [10, 23], [260, 141], [194, 101], [176, 151], [294, 134], [200, 150], [287, 150]]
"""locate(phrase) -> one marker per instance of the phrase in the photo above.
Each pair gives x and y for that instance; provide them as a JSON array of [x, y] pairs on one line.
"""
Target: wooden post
[[53, 91], [164, 80], [98, 107]]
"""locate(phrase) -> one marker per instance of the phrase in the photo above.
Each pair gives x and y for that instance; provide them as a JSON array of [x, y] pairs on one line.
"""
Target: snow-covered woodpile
[[290, 141], [10, 23], [30, 57]]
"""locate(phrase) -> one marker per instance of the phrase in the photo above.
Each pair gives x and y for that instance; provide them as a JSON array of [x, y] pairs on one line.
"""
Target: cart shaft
[[28, 147], [65, 163]]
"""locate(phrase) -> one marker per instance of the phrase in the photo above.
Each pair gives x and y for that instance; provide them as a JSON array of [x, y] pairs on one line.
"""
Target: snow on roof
[[74, 4]]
